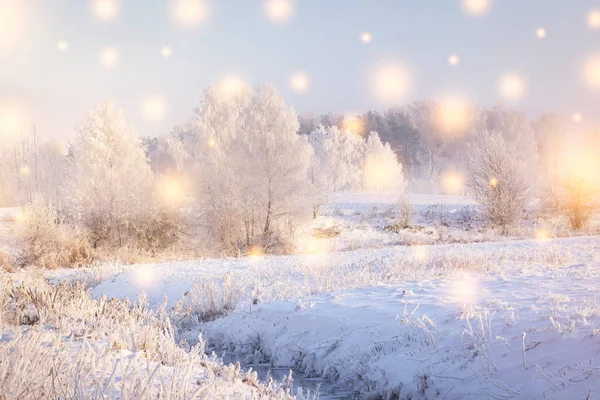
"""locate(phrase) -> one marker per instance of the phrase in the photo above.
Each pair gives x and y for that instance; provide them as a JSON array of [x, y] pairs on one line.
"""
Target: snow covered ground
[[452, 327], [377, 313]]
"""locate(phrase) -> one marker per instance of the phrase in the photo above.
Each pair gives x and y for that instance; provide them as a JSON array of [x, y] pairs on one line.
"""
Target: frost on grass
[[58, 343]]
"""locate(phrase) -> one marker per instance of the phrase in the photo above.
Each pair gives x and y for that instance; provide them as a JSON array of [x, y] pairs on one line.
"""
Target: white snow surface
[[508, 319], [454, 335]]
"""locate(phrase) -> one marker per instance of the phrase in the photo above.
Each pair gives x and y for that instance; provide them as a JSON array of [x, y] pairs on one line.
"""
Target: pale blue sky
[[322, 39]]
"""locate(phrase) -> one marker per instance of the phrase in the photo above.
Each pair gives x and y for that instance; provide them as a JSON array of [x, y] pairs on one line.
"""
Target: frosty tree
[[338, 156], [253, 167], [381, 170], [110, 179], [496, 179]]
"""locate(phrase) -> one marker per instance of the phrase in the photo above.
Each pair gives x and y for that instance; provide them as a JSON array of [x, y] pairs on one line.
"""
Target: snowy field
[[499, 319]]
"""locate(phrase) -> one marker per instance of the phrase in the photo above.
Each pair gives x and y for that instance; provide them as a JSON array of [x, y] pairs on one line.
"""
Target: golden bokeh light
[[541, 33], [453, 115], [25, 170], [145, 276], [476, 7], [154, 108], [542, 235], [351, 124], [316, 246], [211, 142], [189, 13], [420, 253], [109, 57], [279, 11], [512, 86], [465, 290], [13, 23], [366, 37], [256, 253], [453, 183], [62, 46], [493, 181], [592, 72], [13, 122], [390, 82], [577, 117], [171, 190], [453, 60], [231, 86], [20, 217], [106, 10], [593, 19], [579, 166], [299, 82], [166, 52]]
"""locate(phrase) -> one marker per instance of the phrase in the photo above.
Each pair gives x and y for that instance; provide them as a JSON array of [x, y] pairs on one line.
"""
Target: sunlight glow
[[453, 115], [166, 52], [189, 13], [154, 108], [420, 253], [62, 46], [592, 72], [171, 190], [579, 165], [256, 254], [106, 9], [212, 142], [279, 11], [390, 82], [25, 170], [109, 57], [541, 33], [542, 235], [231, 86], [352, 124], [476, 7], [493, 181], [593, 19], [366, 37], [13, 22], [577, 117], [13, 121], [453, 183], [20, 217], [144, 276], [453, 60], [465, 290], [317, 246], [377, 175], [511, 86], [299, 82]]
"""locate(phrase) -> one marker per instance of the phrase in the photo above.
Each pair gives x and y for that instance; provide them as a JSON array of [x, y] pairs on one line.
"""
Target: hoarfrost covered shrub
[[208, 300], [46, 242], [110, 179], [496, 179]]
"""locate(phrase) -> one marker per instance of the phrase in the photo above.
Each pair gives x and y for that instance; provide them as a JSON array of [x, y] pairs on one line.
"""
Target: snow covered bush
[[46, 242], [110, 179], [253, 169], [496, 179], [208, 300]]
